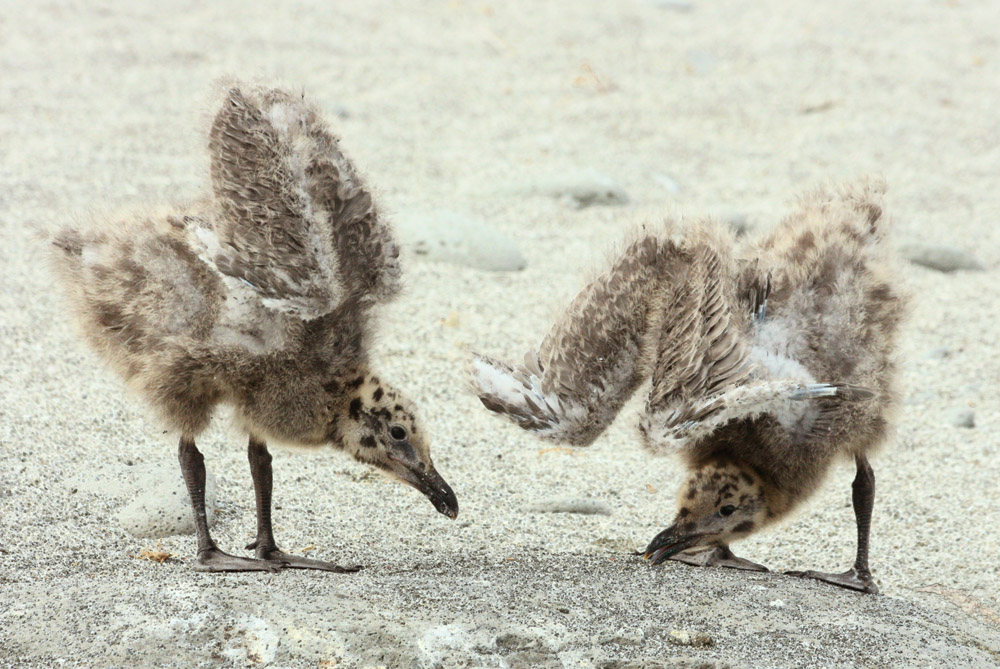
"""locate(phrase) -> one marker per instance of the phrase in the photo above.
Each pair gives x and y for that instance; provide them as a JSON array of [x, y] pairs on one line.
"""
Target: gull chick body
[[768, 360], [259, 295]]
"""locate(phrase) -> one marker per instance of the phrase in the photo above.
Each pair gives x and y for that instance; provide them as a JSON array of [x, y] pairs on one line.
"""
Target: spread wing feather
[[711, 369], [682, 310], [292, 219], [688, 421], [593, 358], [704, 344], [369, 255]]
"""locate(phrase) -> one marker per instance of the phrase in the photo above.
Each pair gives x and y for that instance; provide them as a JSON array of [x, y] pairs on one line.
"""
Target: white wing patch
[[245, 320], [684, 424], [518, 395]]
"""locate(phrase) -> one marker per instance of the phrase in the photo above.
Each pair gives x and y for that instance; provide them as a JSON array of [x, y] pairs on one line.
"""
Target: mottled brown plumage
[[592, 359], [767, 360], [258, 295]]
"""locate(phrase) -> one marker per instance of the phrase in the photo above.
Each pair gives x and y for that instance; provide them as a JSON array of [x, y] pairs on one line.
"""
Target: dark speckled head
[[379, 426], [722, 501]]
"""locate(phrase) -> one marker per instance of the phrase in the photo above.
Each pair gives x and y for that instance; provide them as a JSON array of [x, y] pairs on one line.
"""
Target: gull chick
[[768, 361], [258, 296]]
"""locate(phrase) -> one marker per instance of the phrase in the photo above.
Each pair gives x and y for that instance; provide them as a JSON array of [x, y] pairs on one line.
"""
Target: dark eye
[[397, 432], [727, 510]]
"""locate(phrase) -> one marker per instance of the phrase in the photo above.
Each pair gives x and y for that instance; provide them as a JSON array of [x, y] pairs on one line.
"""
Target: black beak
[[668, 543], [430, 483]]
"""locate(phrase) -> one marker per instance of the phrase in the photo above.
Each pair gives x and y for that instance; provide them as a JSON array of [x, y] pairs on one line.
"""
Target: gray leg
[[266, 548], [720, 556], [859, 577], [210, 558]]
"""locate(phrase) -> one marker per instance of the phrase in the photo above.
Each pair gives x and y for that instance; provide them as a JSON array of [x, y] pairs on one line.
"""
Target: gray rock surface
[[942, 258], [452, 237], [160, 506], [457, 609]]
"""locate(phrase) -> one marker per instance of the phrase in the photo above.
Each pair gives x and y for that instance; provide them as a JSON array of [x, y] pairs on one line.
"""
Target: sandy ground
[[460, 106]]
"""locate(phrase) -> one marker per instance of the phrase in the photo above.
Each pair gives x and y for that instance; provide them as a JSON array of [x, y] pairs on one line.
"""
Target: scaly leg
[[210, 558], [859, 577], [266, 549], [720, 556]]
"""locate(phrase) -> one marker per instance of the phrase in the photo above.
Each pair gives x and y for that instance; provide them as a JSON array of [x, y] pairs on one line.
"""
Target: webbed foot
[[274, 553], [850, 579], [215, 560], [720, 556]]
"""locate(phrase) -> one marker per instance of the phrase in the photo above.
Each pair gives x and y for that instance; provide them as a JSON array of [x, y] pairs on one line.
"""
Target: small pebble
[[737, 222], [920, 398], [668, 182], [818, 107], [587, 507], [699, 61], [451, 237], [695, 640], [942, 258], [512, 641], [622, 637], [675, 5], [583, 188], [964, 418]]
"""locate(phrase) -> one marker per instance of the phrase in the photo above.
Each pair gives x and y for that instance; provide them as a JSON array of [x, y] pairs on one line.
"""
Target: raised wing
[[703, 347], [293, 220], [594, 357], [714, 362], [270, 234], [369, 255]]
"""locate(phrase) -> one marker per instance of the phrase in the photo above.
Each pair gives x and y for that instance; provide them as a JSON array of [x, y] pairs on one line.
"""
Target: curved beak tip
[[666, 544], [442, 496], [430, 483], [444, 502]]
